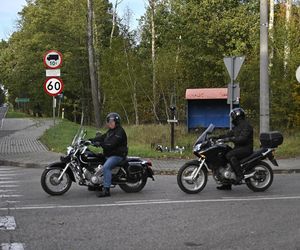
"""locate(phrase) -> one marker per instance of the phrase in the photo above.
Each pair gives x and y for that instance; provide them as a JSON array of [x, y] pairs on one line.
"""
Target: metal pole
[[264, 63], [172, 136], [54, 105], [232, 84]]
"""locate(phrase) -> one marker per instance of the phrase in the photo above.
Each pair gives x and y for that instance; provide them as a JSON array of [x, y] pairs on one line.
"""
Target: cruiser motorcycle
[[80, 165], [258, 174]]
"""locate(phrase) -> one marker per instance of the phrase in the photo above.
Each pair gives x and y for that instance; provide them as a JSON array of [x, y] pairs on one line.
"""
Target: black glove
[[224, 140], [87, 143], [97, 143], [228, 139]]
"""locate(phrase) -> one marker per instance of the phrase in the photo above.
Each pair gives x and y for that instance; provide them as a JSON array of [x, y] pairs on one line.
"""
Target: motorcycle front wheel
[[262, 178], [51, 184], [134, 187], [185, 181]]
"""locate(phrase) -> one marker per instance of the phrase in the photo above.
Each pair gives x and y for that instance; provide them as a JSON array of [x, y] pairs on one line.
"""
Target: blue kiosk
[[206, 106]]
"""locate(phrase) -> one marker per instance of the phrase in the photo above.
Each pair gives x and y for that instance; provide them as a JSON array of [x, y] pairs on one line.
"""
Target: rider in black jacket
[[242, 137], [114, 144]]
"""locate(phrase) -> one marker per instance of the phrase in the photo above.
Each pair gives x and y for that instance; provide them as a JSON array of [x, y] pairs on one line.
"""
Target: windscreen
[[203, 136]]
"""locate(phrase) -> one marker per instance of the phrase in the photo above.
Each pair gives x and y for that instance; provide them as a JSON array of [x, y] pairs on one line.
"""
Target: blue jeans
[[109, 164]]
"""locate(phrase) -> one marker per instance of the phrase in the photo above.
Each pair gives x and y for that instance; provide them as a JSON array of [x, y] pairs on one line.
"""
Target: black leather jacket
[[241, 135], [113, 142]]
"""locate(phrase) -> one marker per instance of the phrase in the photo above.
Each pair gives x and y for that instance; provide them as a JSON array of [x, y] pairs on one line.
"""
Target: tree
[[92, 64]]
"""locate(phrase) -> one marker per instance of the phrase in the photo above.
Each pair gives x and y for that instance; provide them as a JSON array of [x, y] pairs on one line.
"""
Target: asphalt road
[[159, 217]]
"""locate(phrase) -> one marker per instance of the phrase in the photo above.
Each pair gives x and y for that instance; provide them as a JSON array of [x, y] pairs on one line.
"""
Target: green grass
[[143, 139], [16, 114]]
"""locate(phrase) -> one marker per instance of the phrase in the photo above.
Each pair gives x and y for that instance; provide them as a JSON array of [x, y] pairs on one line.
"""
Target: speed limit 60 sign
[[53, 86]]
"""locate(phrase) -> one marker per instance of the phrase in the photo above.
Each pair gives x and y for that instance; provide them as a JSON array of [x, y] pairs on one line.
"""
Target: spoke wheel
[[52, 185]]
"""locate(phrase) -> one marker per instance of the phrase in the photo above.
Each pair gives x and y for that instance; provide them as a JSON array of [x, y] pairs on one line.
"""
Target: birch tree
[[114, 20], [288, 9], [152, 5]]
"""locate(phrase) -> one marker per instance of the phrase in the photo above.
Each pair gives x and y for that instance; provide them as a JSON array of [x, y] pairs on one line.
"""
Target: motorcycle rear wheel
[[134, 187], [191, 186], [51, 185], [262, 179]]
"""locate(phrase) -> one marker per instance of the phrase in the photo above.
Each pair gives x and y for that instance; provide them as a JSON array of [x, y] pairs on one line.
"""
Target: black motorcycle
[[258, 175], [83, 166]]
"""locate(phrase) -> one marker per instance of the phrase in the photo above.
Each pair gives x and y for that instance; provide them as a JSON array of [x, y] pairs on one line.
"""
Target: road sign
[[53, 86], [22, 99], [233, 65], [53, 59], [298, 74], [52, 72]]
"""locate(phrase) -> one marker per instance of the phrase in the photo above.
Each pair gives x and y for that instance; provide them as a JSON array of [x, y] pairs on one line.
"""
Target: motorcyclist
[[114, 144], [242, 137]]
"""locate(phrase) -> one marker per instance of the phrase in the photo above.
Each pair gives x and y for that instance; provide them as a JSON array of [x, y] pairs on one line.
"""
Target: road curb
[[156, 171], [20, 164]]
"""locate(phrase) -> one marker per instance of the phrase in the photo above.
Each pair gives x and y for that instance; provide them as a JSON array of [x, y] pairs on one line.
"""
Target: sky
[[9, 14]]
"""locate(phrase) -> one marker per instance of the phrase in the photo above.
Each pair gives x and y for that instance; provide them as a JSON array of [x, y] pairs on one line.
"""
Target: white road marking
[[10, 195], [6, 190], [6, 178], [12, 201], [135, 201], [7, 169], [8, 186], [7, 223], [6, 173], [7, 182], [155, 202], [12, 246]]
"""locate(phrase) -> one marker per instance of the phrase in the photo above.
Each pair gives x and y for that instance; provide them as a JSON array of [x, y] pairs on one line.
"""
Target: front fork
[[64, 170], [197, 170], [74, 169]]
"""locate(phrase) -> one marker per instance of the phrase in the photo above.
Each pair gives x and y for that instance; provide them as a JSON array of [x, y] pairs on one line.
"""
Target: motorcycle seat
[[130, 159], [253, 155]]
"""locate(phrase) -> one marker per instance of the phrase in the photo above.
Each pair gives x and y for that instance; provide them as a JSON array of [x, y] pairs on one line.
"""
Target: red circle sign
[[53, 59], [53, 86]]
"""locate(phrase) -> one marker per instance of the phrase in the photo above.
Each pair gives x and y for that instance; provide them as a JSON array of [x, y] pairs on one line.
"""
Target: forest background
[[140, 73]]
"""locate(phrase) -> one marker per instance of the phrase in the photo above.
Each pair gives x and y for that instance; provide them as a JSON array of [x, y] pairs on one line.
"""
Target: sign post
[[172, 122], [53, 85], [298, 74], [233, 65]]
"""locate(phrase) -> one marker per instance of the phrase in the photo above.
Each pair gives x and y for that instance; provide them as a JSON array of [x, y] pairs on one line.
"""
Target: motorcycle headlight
[[197, 147]]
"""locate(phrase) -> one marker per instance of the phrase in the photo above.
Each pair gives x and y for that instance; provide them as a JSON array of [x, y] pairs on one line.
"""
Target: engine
[[224, 173]]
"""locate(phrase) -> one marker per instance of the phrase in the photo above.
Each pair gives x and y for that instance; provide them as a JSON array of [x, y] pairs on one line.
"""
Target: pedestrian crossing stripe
[[12, 246], [7, 223]]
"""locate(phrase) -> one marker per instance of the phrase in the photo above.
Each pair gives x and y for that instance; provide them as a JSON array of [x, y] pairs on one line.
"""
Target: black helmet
[[114, 116], [236, 114]]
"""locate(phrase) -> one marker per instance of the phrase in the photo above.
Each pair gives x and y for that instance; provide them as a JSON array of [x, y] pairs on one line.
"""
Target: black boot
[[225, 187], [235, 164], [92, 188], [104, 193]]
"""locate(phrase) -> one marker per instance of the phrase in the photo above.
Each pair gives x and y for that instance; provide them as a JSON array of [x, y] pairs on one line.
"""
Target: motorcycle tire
[[134, 187], [190, 186], [51, 185], [262, 179]]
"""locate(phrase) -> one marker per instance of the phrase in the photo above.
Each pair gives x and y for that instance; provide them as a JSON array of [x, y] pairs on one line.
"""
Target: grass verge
[[143, 139]]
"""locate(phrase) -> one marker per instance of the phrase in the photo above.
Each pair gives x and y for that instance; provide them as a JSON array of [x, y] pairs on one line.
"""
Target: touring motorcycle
[[84, 167], [258, 175]]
